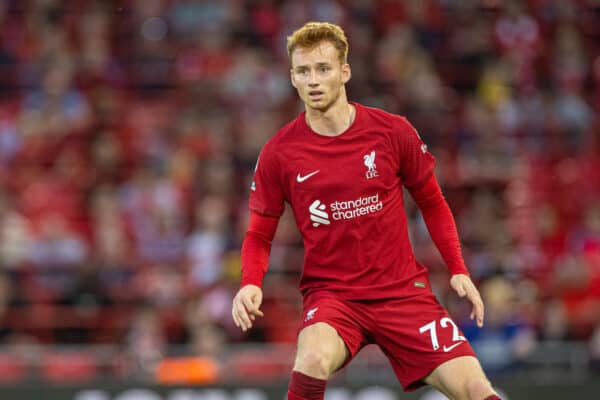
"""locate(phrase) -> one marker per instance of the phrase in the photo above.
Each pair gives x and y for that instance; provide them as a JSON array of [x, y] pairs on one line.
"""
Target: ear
[[292, 78], [346, 73]]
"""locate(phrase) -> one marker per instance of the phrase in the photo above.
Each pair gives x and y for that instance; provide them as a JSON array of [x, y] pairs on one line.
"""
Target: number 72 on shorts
[[457, 339]]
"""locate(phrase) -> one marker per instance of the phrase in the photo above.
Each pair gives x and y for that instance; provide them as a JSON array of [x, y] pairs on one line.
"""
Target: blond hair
[[313, 33]]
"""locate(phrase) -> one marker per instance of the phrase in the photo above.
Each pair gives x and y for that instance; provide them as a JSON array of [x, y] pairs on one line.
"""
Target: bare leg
[[461, 378], [320, 352]]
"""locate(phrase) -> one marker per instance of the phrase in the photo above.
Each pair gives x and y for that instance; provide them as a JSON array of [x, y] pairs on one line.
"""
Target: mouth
[[315, 95]]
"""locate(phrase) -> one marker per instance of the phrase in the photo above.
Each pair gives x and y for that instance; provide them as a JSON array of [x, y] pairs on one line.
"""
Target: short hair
[[313, 33]]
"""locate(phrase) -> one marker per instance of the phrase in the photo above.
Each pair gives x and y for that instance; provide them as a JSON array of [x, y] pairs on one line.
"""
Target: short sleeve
[[266, 192], [417, 164]]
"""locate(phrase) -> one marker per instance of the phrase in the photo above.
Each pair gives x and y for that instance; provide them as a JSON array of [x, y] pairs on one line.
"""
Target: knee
[[315, 362], [478, 389]]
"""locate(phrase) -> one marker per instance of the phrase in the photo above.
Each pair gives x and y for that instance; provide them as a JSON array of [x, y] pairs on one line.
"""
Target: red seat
[[69, 366], [12, 368]]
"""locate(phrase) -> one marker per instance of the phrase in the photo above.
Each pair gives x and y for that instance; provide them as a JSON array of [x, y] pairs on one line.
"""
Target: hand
[[463, 285], [246, 306]]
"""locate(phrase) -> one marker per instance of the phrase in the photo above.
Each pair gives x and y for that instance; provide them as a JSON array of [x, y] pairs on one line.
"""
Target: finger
[[477, 312], [480, 315], [235, 309], [251, 307], [245, 323], [235, 320], [259, 313], [477, 315], [460, 290], [242, 316], [234, 314]]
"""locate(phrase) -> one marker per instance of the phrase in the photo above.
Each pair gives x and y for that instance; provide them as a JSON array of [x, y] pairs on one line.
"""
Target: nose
[[312, 81]]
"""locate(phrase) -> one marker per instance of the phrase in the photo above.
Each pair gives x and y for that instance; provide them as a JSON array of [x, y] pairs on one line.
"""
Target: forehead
[[324, 52]]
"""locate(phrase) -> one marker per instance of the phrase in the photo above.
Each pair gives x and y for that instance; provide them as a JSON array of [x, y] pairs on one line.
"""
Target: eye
[[324, 68]]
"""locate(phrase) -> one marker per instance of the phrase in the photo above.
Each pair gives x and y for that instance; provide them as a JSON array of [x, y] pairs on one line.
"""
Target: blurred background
[[129, 131]]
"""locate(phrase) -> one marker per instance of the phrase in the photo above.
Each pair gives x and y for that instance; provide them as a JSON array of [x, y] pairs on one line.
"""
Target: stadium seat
[[69, 366]]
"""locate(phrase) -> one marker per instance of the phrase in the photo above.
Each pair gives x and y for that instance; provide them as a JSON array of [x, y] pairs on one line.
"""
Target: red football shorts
[[415, 333]]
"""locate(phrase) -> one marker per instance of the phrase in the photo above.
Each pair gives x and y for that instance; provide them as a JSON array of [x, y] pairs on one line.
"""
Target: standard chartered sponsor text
[[355, 208]]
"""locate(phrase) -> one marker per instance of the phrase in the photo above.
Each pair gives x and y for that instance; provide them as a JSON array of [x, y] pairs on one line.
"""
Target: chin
[[319, 105]]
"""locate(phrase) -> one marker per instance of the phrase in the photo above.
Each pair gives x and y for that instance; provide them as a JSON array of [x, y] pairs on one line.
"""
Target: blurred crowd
[[129, 130]]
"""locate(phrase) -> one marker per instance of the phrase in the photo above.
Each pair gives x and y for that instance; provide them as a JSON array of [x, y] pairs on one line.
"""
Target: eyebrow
[[319, 64]]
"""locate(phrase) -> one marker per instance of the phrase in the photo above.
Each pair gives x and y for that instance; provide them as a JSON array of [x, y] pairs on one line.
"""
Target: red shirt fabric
[[257, 248], [346, 196], [440, 224]]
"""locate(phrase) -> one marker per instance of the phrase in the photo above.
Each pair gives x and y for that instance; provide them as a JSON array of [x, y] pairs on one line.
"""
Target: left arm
[[442, 228]]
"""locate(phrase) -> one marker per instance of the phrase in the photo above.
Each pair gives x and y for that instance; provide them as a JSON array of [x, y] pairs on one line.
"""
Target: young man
[[341, 166]]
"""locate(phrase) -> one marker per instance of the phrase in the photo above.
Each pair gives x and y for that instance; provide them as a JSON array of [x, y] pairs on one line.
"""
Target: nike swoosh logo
[[301, 178], [447, 349]]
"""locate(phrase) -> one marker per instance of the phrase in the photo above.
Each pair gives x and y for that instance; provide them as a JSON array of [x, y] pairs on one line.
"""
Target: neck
[[332, 121]]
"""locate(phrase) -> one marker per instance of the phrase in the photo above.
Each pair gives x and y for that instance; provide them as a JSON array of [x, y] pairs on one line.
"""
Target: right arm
[[255, 261]]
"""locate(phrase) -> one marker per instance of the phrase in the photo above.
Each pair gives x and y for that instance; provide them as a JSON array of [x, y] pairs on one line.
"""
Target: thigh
[[330, 322], [417, 335], [321, 343], [460, 377]]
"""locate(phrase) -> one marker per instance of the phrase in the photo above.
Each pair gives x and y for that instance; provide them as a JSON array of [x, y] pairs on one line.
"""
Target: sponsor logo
[[300, 178], [341, 210], [317, 213], [310, 314], [448, 348], [424, 148], [420, 284], [356, 208], [369, 160]]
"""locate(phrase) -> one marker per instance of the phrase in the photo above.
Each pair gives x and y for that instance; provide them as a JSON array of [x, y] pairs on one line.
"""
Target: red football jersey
[[346, 195]]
